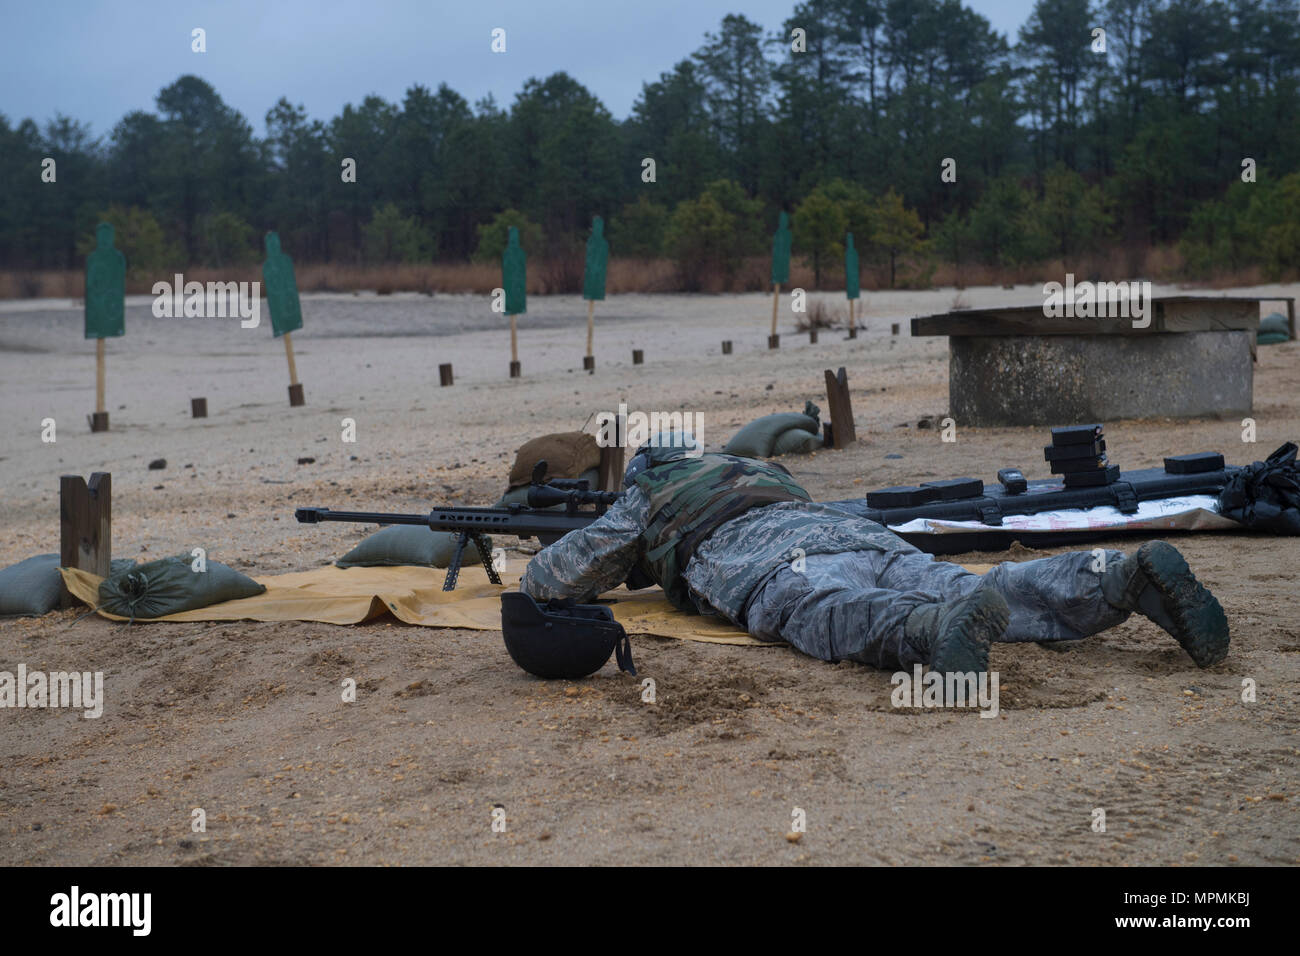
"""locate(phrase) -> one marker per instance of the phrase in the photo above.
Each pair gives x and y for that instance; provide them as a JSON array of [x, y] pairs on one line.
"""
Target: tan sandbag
[[567, 455]]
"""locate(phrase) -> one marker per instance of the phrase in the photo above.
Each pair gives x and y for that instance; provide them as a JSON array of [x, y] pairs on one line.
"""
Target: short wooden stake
[[841, 408], [812, 336], [444, 374], [726, 346], [199, 407], [85, 525], [638, 357], [589, 363], [893, 328]]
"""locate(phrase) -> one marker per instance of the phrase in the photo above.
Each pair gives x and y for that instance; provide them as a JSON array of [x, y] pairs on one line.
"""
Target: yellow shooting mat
[[333, 595]]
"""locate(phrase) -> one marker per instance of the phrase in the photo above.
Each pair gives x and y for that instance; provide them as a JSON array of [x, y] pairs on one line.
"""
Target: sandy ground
[[245, 720]]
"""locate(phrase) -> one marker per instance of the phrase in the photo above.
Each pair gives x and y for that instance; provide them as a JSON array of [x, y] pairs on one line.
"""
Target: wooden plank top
[[1177, 313]]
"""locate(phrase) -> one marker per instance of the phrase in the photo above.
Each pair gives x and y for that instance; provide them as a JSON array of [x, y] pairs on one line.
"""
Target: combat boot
[[954, 636], [1156, 581]]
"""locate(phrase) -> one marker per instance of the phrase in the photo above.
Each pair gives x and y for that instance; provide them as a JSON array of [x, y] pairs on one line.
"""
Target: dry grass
[[41, 285], [819, 316], [564, 274]]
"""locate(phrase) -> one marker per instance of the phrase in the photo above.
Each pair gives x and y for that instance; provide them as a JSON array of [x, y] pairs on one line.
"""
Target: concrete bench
[[1017, 366]]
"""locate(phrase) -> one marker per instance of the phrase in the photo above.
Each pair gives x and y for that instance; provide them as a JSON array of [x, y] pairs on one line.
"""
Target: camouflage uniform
[[834, 585]]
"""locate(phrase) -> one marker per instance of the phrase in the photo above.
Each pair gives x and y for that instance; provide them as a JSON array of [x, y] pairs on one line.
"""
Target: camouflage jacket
[[692, 497], [726, 568]]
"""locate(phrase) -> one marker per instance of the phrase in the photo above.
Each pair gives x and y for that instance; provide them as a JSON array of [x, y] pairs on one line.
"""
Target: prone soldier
[[740, 538]]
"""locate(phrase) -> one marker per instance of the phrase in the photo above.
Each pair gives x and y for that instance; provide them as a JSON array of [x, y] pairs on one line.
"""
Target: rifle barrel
[[523, 523], [314, 515]]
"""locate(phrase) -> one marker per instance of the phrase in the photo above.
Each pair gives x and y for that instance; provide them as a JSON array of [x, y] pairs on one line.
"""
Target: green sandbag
[[171, 585], [768, 436], [1273, 323], [1273, 330], [407, 544], [795, 441], [31, 587], [519, 496]]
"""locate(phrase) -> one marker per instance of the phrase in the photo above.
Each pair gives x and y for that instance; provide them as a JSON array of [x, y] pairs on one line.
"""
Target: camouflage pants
[[854, 605]]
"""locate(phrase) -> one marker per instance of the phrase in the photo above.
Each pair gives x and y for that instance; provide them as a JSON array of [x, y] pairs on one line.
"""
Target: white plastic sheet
[[1192, 513]]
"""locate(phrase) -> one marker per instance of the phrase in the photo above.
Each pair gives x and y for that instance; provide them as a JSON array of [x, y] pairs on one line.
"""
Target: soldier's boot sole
[[966, 629], [1199, 624]]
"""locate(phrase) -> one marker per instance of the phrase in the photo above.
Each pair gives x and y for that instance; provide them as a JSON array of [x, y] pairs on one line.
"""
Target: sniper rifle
[[540, 518]]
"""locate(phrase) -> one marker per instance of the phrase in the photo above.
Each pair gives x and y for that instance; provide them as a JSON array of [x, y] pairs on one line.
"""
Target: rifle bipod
[[484, 553]]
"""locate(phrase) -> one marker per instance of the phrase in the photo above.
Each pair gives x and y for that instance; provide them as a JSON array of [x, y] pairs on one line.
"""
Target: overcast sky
[[96, 61]]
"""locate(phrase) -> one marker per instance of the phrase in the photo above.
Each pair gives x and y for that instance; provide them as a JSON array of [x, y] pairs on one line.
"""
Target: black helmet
[[562, 640]]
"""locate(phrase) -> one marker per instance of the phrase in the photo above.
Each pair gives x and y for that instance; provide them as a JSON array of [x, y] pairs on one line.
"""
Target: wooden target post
[[105, 310], [295, 387], [589, 360], [99, 420], [774, 340], [286, 310], [514, 280], [593, 282], [780, 272], [852, 282]]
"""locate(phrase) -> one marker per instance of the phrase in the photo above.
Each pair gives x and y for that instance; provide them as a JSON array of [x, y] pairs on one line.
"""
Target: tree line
[[911, 123]]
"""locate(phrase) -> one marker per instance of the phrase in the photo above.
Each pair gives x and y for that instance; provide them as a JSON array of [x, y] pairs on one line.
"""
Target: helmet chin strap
[[623, 655]]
